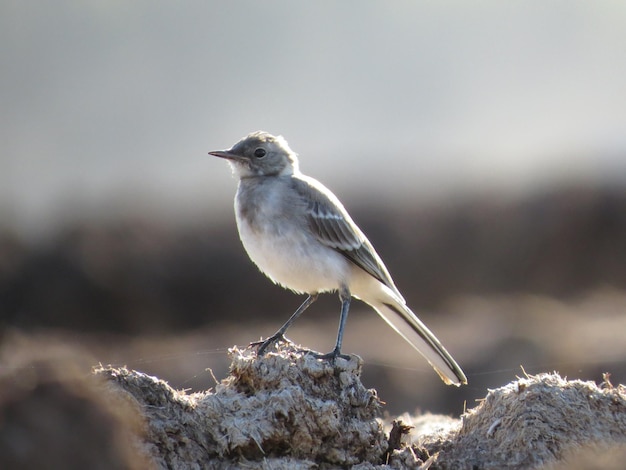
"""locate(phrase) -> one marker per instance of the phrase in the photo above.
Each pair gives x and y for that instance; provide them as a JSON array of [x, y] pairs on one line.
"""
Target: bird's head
[[260, 154]]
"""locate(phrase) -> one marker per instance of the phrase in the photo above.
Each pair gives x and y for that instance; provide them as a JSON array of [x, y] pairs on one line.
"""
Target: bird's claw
[[331, 356], [263, 345]]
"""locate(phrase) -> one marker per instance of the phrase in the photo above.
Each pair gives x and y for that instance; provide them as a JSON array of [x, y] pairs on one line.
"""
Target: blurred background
[[482, 149]]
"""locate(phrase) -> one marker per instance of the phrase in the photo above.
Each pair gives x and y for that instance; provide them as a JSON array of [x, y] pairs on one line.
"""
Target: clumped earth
[[289, 410]]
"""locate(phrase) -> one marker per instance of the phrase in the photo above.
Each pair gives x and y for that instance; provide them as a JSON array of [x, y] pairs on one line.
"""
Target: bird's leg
[[280, 334], [345, 297]]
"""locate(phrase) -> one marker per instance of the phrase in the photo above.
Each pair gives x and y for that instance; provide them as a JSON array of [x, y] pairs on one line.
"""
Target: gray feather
[[334, 227]]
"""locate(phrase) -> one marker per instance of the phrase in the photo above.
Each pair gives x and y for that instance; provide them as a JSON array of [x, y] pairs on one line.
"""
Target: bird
[[299, 234]]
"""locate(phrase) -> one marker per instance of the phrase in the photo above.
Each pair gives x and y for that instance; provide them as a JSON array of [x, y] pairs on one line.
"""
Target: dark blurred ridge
[[141, 276]]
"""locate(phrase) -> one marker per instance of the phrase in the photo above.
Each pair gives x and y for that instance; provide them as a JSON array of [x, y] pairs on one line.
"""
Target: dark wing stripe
[[334, 229], [330, 228], [349, 235], [348, 238], [317, 220], [334, 235], [337, 234], [360, 258]]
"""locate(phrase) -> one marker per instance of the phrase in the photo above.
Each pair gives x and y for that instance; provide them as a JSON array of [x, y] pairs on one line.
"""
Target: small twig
[[398, 429], [606, 380], [493, 427]]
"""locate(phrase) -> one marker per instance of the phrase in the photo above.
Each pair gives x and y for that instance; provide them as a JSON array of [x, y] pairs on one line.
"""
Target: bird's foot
[[331, 356], [263, 345]]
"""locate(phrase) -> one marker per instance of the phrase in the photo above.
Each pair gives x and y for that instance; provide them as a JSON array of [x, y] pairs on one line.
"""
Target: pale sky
[[111, 107]]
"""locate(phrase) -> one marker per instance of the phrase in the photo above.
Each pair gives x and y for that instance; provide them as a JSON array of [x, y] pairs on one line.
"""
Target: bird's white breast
[[278, 240]]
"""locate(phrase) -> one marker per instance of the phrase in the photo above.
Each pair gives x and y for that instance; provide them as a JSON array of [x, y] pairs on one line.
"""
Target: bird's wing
[[333, 227]]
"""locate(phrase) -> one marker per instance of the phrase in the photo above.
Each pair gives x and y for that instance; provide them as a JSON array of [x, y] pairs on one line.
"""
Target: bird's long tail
[[411, 328]]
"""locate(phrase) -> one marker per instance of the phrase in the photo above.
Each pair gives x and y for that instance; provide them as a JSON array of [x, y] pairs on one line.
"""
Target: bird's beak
[[225, 154]]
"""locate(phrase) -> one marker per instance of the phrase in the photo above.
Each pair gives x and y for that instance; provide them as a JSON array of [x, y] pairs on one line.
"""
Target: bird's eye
[[259, 153]]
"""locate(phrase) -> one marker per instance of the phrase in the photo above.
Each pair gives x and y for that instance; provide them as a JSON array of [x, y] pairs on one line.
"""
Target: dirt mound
[[291, 410]]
